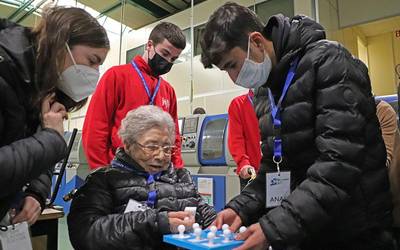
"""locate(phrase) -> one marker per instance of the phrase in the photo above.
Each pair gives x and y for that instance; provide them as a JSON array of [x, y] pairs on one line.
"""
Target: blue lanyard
[[151, 97], [152, 195], [250, 99], [277, 158]]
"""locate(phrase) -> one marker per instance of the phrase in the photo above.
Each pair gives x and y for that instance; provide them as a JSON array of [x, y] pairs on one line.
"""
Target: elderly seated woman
[[140, 196]]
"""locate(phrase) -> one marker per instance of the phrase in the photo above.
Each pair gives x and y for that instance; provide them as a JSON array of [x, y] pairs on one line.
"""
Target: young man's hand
[[245, 171], [254, 238], [230, 217]]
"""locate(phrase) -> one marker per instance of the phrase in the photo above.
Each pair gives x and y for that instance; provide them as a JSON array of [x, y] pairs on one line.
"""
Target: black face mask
[[159, 65]]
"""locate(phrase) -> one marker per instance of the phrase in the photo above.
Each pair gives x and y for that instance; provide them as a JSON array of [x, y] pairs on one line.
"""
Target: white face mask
[[78, 81], [253, 74]]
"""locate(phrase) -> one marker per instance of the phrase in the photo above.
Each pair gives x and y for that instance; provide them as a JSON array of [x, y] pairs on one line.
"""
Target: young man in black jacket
[[323, 182]]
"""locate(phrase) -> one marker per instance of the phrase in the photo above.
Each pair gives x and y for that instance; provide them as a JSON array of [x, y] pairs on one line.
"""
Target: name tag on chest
[[277, 188], [135, 206], [15, 237]]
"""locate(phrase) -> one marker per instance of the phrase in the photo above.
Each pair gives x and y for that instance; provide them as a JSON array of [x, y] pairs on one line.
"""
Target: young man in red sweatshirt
[[126, 87], [244, 137]]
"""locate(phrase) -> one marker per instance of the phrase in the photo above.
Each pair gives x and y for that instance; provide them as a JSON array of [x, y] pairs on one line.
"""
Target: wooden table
[[47, 224]]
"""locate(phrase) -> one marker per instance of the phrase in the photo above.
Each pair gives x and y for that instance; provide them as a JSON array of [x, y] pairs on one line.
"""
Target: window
[[198, 33], [186, 53], [131, 53], [266, 9]]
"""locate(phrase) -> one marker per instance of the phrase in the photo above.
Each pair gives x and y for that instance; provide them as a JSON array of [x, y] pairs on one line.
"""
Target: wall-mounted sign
[[206, 190]]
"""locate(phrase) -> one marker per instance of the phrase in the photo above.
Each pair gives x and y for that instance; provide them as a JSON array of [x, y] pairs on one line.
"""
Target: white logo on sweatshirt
[[165, 103]]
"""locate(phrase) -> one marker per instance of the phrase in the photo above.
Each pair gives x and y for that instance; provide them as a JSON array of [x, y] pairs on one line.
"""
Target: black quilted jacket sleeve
[[27, 160], [40, 187]]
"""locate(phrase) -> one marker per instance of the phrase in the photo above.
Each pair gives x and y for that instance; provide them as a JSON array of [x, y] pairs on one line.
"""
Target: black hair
[[169, 31], [199, 110], [227, 27]]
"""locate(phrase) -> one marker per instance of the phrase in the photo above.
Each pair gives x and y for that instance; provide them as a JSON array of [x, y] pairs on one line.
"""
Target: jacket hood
[[292, 35], [290, 38], [17, 43]]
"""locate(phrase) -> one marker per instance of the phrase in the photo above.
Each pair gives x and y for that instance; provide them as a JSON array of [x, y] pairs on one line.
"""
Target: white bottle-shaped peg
[[181, 230], [214, 229], [242, 229], [210, 237], [197, 233], [227, 235]]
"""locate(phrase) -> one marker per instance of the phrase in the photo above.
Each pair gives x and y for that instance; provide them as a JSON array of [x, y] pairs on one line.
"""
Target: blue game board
[[190, 243]]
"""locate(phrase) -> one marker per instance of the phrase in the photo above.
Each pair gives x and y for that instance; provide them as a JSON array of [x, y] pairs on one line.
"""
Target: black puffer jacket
[[27, 154], [332, 145], [97, 220]]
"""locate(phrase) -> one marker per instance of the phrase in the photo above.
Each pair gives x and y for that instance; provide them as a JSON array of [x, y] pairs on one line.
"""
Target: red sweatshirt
[[120, 90], [244, 133]]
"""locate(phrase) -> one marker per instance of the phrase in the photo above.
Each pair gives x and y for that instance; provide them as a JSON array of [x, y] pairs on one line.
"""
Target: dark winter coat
[[332, 145], [27, 154], [97, 220]]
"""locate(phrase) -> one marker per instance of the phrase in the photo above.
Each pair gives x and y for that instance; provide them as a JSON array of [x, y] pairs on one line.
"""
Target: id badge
[[277, 188], [191, 210], [15, 237], [135, 206]]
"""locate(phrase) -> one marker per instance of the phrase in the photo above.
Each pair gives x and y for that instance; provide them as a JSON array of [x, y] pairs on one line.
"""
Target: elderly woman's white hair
[[142, 119]]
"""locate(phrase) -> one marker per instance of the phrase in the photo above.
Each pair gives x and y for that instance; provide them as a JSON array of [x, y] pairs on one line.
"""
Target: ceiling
[[9, 10], [137, 13]]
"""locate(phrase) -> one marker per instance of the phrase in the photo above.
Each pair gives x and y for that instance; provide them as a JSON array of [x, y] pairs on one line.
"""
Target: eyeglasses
[[155, 149]]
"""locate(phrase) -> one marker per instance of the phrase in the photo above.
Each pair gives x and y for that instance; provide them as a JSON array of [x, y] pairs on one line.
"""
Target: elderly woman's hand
[[180, 218]]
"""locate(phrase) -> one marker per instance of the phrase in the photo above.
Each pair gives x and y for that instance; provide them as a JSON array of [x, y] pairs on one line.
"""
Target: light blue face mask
[[253, 74], [78, 81]]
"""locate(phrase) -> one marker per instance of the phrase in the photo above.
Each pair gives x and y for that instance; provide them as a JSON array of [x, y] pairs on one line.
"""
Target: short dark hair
[[227, 28], [199, 110], [169, 31]]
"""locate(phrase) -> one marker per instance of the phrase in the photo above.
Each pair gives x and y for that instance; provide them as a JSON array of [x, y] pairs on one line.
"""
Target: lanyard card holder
[[277, 183], [15, 236], [277, 187], [145, 85], [135, 206]]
